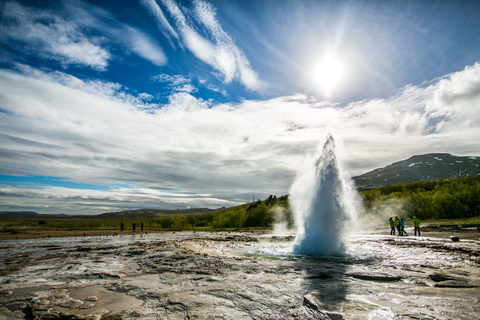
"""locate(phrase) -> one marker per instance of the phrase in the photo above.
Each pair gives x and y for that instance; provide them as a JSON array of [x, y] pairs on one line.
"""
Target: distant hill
[[432, 166], [19, 212], [145, 214], [151, 213]]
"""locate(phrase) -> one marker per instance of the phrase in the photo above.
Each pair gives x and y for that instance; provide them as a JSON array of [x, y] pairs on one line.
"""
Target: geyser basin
[[207, 275], [324, 203]]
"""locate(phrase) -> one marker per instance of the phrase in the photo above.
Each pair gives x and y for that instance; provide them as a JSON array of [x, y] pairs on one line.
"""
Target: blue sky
[[113, 105]]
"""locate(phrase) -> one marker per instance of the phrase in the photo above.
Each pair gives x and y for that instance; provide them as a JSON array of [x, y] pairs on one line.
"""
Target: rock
[[439, 277], [319, 276], [135, 253], [309, 301], [454, 284], [375, 276], [335, 316], [84, 249], [455, 238], [447, 281]]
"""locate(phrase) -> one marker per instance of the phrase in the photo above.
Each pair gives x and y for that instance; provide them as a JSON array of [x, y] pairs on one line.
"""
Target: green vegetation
[[260, 214], [441, 199], [457, 199], [62, 223]]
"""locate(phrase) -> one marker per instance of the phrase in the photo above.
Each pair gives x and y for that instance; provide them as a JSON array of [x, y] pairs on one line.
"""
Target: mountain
[[19, 212], [432, 166]]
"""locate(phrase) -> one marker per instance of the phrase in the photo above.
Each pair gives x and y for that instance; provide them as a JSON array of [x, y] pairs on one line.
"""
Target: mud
[[188, 275]]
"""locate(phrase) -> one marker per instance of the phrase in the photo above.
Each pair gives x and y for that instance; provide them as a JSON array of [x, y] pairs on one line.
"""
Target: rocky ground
[[187, 275]]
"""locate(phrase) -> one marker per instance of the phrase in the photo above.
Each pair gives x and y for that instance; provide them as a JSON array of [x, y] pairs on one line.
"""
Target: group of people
[[134, 226], [399, 224]]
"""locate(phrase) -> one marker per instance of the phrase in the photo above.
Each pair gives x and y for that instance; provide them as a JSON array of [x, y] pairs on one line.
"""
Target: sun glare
[[328, 73]]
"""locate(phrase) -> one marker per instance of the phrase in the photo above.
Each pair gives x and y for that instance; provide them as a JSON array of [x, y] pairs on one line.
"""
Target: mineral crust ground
[[237, 275]]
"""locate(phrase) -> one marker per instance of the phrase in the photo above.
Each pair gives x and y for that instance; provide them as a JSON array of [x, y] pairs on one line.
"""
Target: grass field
[[35, 226]]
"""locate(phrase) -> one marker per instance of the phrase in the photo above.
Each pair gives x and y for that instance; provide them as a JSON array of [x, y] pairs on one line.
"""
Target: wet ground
[[189, 275]]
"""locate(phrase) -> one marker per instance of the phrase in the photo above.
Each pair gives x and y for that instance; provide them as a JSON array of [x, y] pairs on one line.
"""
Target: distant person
[[392, 226], [402, 227], [134, 225], [141, 226], [122, 226], [416, 225], [397, 224]]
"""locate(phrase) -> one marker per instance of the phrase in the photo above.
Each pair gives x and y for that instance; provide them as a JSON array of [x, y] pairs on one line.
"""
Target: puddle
[[148, 281], [98, 300]]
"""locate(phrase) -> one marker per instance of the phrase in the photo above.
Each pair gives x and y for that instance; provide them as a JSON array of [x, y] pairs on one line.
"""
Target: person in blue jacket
[[402, 228]]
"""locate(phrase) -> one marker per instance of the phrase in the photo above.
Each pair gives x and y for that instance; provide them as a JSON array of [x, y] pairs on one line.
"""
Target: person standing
[[402, 227], [141, 226], [134, 225], [416, 225], [392, 226], [397, 224]]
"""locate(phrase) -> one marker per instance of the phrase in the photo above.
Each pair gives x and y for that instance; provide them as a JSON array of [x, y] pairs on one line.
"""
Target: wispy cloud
[[161, 20], [210, 153], [143, 45], [215, 48], [176, 82], [229, 58], [45, 33], [73, 35]]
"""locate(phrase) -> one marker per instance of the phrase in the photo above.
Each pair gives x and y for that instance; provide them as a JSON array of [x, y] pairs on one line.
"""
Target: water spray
[[324, 203]]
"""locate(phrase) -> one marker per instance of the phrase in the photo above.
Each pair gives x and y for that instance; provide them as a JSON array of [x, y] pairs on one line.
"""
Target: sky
[[120, 105]]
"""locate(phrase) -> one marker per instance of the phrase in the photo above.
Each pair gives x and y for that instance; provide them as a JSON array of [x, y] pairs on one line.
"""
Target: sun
[[328, 73]]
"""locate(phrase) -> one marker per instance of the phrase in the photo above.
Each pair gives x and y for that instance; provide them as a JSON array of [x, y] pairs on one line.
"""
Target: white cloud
[[75, 35], [176, 82], [144, 46], [229, 58], [195, 147], [160, 19], [80, 201], [457, 98], [220, 51], [48, 34]]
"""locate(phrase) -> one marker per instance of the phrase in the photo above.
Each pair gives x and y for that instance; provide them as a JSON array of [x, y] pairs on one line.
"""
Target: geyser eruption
[[324, 203]]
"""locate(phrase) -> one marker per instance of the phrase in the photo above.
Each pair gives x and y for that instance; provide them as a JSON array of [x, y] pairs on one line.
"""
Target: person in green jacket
[[392, 226], [397, 224], [416, 224]]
